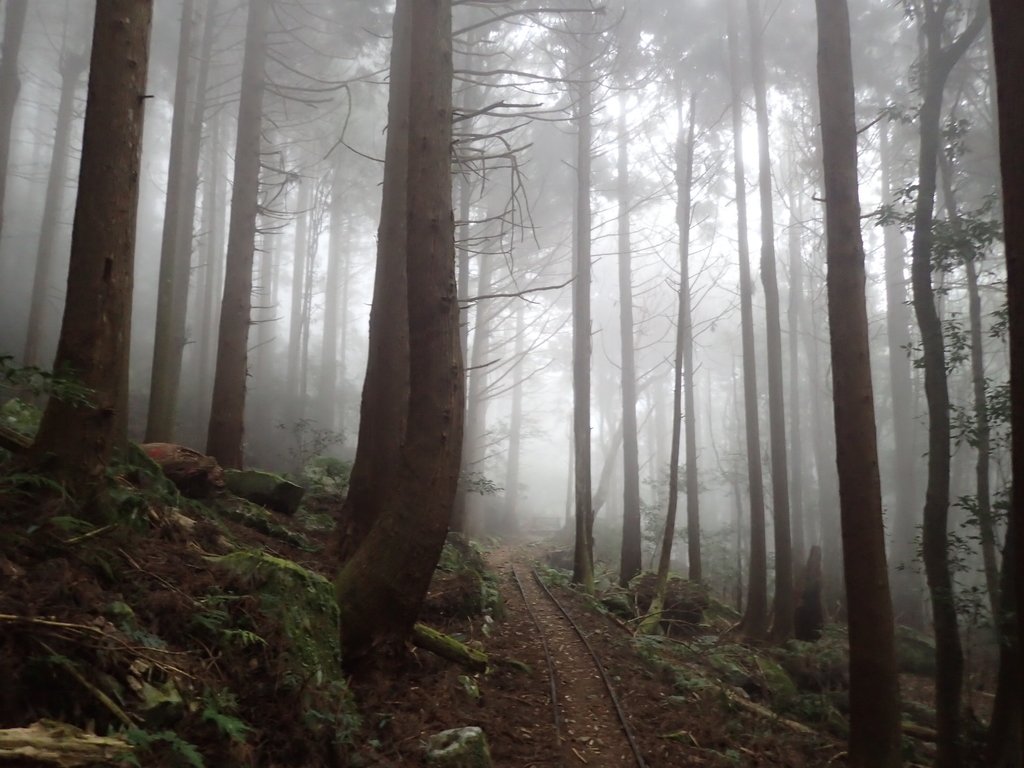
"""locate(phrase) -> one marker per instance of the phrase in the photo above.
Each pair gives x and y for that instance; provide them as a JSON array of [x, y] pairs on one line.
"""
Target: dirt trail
[[591, 732]]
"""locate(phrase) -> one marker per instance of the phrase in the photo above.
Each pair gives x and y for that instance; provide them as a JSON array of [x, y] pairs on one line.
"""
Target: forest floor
[[203, 634]]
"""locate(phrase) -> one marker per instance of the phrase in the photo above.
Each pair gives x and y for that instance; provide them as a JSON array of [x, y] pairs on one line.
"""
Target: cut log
[[54, 743], [195, 475], [448, 648]]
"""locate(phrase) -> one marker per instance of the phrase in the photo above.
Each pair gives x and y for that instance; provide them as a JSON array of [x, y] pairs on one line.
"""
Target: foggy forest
[[500, 383]]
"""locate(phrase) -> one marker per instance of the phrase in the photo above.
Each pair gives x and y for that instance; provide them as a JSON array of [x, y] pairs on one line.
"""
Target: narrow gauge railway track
[[567, 708]]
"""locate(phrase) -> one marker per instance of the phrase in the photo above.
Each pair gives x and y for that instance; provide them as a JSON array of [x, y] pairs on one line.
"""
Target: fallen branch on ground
[[448, 648]]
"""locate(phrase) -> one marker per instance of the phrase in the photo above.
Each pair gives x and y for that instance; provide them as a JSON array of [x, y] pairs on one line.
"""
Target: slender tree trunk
[[393, 566], [982, 431], [875, 739], [227, 412], [211, 273], [72, 65], [630, 556], [583, 557], [295, 316], [794, 310], [515, 427], [782, 624], [948, 651], [10, 85], [685, 323], [381, 422], [682, 380], [755, 620], [327, 391], [77, 440], [1007, 32], [174, 254], [906, 582]]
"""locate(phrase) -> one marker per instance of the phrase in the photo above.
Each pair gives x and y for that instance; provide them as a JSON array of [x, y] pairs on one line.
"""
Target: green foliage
[[326, 474], [63, 385], [148, 743], [479, 483], [20, 416], [219, 708], [307, 441]]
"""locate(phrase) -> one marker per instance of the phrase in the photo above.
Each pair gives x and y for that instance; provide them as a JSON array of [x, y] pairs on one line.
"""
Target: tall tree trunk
[[684, 338], [1007, 32], [327, 388], [515, 426], [77, 439], [296, 405], [227, 411], [982, 430], [755, 620], [393, 566], [174, 254], [1003, 740], [382, 423], [948, 651], [72, 65], [211, 274], [682, 379], [475, 433], [583, 556], [10, 85], [905, 579], [782, 624], [875, 739], [629, 559], [794, 310]]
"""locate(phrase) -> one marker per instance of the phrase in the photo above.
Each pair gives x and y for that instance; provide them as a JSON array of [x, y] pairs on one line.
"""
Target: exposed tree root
[[55, 743]]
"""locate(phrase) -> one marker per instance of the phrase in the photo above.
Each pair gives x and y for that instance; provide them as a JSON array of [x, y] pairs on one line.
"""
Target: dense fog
[[658, 80]]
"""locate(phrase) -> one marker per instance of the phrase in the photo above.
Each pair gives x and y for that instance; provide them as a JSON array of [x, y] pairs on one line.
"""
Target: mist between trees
[[639, 251]]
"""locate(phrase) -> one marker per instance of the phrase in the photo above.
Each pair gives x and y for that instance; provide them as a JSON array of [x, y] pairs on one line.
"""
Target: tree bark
[[906, 582], [295, 399], [794, 310], [174, 254], [1007, 32], [583, 554], [78, 440], [381, 423], [515, 427], [755, 620], [327, 389], [72, 65], [394, 565], [10, 85], [939, 62], [782, 624], [875, 740], [227, 423], [629, 555]]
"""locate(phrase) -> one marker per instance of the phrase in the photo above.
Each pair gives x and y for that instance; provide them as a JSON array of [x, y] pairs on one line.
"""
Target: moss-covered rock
[[915, 652], [266, 489], [459, 748], [683, 609], [462, 585]]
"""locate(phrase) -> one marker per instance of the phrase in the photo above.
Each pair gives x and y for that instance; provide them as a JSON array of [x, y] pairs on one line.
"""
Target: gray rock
[[459, 748]]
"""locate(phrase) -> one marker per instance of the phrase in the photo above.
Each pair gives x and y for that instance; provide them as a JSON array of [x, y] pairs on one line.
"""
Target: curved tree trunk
[[755, 620], [381, 588], [381, 422], [875, 739]]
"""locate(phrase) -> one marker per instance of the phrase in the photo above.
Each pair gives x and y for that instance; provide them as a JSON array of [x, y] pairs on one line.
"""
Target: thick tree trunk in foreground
[[174, 254], [80, 439], [71, 67], [1007, 32], [949, 659], [382, 422], [227, 411], [10, 85], [782, 623], [755, 620], [381, 588], [875, 740], [629, 555]]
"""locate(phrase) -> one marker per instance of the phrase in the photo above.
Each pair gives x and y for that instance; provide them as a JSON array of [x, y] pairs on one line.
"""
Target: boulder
[[459, 748], [266, 489]]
